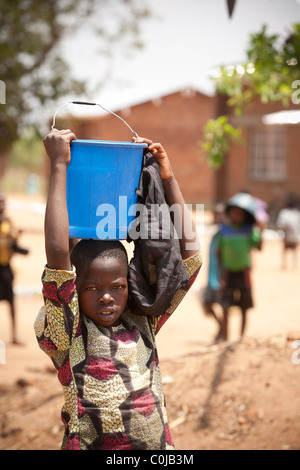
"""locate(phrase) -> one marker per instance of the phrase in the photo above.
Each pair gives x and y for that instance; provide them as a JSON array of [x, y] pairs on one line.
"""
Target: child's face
[[103, 291], [237, 215]]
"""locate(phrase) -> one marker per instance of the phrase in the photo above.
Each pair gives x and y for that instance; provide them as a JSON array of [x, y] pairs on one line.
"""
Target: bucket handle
[[91, 104]]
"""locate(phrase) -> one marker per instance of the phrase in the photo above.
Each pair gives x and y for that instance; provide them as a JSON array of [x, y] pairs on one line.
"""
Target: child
[[235, 241], [105, 355], [8, 246], [289, 222]]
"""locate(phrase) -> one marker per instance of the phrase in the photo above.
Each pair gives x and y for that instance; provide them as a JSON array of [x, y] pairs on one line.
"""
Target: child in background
[[105, 355], [235, 240], [289, 222]]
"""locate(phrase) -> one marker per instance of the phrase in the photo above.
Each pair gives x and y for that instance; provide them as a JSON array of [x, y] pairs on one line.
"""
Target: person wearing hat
[[235, 240]]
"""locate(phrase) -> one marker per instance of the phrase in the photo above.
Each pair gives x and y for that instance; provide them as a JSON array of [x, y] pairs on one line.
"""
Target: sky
[[183, 45]]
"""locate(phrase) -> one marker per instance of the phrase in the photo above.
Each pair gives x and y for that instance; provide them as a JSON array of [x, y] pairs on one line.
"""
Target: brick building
[[267, 164], [176, 120]]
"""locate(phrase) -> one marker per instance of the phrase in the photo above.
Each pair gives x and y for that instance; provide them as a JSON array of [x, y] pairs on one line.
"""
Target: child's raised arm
[[189, 241], [57, 145]]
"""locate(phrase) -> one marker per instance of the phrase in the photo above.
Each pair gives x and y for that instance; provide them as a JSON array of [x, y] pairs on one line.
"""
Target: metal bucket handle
[[91, 104]]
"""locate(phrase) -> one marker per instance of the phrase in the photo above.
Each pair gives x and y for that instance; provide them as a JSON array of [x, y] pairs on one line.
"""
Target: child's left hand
[[160, 155]]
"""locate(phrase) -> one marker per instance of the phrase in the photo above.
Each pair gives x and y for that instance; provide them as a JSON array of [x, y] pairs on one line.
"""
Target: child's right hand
[[57, 145]]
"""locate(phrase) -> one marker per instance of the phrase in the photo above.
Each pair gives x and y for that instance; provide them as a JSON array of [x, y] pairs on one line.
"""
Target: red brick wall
[[175, 120]]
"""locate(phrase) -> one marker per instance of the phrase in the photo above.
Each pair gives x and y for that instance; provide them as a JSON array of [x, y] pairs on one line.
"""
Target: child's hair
[[86, 251], [291, 201]]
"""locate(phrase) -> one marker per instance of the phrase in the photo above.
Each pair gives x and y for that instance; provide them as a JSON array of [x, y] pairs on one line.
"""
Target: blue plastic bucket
[[102, 179]]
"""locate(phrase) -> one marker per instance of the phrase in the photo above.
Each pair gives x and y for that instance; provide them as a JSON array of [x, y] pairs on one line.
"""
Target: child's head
[[291, 201], [241, 209], [101, 268], [237, 215]]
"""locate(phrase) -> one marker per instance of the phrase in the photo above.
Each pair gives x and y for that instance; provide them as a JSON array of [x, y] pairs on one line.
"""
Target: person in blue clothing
[[235, 241], [212, 291]]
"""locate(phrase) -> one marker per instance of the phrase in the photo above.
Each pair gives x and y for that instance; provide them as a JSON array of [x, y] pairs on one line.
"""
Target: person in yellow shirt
[[8, 246]]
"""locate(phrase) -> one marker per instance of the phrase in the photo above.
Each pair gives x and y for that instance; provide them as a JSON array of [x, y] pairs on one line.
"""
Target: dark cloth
[[156, 270], [238, 290], [6, 283]]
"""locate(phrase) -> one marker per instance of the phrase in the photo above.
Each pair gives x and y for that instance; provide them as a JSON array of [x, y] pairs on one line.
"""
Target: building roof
[[92, 111]]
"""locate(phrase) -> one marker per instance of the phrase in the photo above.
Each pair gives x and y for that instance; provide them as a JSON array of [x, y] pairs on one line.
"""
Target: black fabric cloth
[[156, 270]]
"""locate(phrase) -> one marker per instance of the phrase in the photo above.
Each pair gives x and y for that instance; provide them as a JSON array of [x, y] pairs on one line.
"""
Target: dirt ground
[[238, 395]]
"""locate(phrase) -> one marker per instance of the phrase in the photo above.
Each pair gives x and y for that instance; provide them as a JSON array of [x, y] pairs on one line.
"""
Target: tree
[[271, 68], [30, 63], [218, 135]]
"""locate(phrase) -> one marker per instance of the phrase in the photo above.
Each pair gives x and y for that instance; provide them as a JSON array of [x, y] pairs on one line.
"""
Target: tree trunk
[[4, 159]]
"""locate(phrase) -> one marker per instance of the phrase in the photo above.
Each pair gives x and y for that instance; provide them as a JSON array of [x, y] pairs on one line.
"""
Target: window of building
[[268, 153]]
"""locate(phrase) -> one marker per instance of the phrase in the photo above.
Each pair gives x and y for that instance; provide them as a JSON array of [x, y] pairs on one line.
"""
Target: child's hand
[[57, 145], [160, 155]]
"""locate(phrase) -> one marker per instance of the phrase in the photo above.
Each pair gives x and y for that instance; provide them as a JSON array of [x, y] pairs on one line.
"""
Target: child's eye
[[119, 287], [91, 288]]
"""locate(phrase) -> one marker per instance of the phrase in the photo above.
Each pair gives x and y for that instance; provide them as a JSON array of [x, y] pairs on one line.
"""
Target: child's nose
[[105, 298]]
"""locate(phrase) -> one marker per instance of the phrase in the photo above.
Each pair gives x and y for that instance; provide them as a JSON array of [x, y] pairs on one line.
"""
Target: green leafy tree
[[271, 68], [218, 135], [31, 65]]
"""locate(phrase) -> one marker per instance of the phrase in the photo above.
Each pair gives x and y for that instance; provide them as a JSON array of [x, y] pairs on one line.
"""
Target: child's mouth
[[107, 312]]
